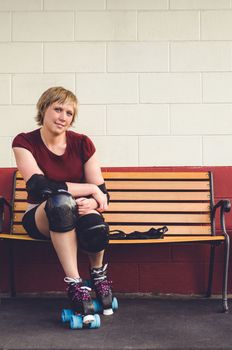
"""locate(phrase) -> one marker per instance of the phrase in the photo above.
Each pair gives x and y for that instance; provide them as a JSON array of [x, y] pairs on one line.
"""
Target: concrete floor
[[139, 324]]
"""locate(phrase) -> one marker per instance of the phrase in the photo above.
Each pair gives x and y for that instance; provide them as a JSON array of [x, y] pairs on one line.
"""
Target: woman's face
[[58, 117]]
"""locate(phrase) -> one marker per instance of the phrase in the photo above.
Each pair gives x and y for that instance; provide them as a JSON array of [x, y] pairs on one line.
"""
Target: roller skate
[[102, 288], [82, 313]]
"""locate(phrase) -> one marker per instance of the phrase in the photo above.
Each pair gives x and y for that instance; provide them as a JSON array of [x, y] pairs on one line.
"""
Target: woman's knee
[[61, 212], [92, 232]]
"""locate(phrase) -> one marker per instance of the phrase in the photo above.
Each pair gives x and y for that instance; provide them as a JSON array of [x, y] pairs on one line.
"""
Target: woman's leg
[[65, 244], [98, 272], [96, 259]]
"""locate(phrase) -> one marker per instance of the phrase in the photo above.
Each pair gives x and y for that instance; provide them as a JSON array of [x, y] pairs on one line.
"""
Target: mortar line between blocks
[[200, 26], [106, 120], [138, 147], [137, 25], [106, 57], [42, 48], [11, 26], [169, 120], [11, 89], [74, 26]]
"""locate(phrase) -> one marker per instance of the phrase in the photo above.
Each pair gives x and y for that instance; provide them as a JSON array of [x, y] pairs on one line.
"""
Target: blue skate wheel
[[97, 305], [99, 308], [76, 322], [66, 315], [96, 323], [115, 304]]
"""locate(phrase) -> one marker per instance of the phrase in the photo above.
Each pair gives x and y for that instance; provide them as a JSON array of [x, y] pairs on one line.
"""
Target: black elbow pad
[[103, 188], [56, 186], [38, 187]]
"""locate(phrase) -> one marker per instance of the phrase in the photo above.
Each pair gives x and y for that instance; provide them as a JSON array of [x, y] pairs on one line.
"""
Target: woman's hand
[[85, 205], [101, 199]]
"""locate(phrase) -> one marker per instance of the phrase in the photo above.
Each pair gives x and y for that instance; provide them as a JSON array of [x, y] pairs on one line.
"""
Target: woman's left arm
[[93, 175], [92, 171]]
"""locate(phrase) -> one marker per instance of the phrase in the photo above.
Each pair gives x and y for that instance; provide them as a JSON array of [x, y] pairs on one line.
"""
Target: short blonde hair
[[55, 94]]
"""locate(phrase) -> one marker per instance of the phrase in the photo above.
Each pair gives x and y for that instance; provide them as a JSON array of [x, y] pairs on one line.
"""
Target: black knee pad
[[61, 210], [92, 233]]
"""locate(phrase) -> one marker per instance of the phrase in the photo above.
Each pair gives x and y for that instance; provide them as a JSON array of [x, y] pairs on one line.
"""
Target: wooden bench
[[183, 201]]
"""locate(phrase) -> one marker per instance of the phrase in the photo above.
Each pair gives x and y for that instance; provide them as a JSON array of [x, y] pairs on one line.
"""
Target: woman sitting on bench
[[66, 195]]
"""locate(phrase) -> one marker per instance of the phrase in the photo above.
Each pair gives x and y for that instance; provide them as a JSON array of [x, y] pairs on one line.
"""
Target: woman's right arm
[[28, 166], [26, 163]]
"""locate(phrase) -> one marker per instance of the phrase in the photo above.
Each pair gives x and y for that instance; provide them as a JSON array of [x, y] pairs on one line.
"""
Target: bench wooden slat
[[142, 196], [143, 207], [149, 218], [157, 185], [18, 229], [159, 207], [156, 218], [149, 175], [17, 217], [172, 230], [155, 175], [20, 237], [20, 195], [160, 196], [147, 185], [181, 239], [20, 206]]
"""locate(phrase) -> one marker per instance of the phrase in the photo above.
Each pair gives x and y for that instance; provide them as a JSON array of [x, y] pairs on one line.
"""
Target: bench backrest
[[140, 200]]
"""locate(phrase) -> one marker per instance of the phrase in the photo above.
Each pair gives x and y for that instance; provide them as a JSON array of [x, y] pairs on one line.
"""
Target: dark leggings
[[29, 224]]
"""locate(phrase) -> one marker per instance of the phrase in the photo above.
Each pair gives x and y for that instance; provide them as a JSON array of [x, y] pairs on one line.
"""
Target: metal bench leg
[[211, 269], [225, 274], [11, 268]]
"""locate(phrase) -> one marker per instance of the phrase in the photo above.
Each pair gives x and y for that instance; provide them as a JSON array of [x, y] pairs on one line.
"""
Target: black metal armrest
[[225, 206], [3, 203]]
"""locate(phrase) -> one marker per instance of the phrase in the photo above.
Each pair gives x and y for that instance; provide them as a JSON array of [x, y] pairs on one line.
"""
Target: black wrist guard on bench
[[40, 188], [103, 188], [153, 233]]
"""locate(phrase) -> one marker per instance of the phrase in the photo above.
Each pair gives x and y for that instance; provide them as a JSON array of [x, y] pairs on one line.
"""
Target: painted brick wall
[[154, 77]]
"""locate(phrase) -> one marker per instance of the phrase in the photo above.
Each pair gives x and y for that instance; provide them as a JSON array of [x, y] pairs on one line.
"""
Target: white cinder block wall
[[153, 77]]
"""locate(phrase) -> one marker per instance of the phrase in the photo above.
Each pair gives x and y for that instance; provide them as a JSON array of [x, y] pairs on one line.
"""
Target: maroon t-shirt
[[67, 167]]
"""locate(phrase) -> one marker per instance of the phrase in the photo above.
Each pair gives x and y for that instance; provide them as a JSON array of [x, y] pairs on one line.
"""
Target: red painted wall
[[156, 269]]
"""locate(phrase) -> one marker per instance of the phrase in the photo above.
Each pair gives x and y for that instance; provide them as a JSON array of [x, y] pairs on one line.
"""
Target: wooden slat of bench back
[[202, 175], [180, 200], [172, 230], [150, 196], [160, 219], [147, 185], [167, 239], [143, 207]]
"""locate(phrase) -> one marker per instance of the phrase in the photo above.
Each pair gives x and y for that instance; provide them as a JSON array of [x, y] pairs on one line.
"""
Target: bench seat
[[174, 239]]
